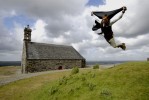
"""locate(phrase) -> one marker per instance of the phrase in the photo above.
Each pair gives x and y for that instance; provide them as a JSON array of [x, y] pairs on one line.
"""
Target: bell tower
[[27, 39], [27, 34]]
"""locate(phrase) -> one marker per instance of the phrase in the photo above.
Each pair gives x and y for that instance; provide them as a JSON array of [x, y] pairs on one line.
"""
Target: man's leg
[[113, 44]]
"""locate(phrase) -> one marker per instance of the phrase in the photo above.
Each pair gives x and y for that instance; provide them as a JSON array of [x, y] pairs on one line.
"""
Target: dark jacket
[[108, 33]]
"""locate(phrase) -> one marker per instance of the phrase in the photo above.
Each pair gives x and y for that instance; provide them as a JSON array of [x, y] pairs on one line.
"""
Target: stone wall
[[24, 56], [43, 65]]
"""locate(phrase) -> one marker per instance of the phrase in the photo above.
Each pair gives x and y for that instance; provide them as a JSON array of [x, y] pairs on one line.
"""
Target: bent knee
[[113, 45]]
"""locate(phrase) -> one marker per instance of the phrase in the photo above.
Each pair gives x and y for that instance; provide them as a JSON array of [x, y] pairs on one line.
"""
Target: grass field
[[7, 71], [128, 81]]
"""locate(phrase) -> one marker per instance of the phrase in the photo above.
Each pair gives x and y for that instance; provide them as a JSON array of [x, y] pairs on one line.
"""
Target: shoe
[[123, 46]]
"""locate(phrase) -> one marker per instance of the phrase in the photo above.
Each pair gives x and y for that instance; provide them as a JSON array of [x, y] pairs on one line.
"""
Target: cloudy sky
[[69, 22]]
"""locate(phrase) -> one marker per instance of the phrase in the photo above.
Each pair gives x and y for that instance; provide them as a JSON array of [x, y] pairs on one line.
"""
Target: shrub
[[75, 70], [83, 78], [63, 81], [53, 90], [96, 66], [91, 86], [105, 93], [71, 91], [93, 75]]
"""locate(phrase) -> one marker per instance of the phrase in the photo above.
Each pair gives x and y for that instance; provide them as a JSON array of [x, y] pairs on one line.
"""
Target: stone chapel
[[38, 57]]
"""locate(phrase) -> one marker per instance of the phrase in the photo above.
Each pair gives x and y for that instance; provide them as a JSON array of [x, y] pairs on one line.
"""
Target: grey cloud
[[9, 43], [46, 8], [135, 21], [140, 43], [8, 40], [58, 27], [4, 38]]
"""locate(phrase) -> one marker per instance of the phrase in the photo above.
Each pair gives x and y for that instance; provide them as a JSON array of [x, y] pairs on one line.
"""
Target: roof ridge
[[51, 44]]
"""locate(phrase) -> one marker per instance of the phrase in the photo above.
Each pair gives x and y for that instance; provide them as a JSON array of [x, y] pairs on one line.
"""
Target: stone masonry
[[38, 57]]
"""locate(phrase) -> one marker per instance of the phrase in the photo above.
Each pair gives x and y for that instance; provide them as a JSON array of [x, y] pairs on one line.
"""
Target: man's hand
[[124, 9], [99, 33]]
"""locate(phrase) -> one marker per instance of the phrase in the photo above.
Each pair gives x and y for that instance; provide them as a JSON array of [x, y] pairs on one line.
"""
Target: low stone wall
[[43, 65]]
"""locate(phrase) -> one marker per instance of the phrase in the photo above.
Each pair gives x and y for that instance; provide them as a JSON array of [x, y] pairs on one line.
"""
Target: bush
[[105, 93], [75, 70], [96, 66], [71, 91], [91, 86], [53, 90], [63, 81]]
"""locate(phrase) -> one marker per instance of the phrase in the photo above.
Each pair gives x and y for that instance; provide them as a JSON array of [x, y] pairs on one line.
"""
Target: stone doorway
[[60, 68]]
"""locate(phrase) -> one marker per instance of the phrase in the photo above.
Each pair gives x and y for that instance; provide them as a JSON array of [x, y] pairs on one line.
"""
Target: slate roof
[[51, 51]]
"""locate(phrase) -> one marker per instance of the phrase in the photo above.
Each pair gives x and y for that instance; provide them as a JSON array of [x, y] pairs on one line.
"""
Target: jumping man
[[106, 26]]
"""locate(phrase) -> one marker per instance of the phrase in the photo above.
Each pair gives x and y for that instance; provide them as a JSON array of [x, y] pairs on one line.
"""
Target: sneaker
[[123, 46]]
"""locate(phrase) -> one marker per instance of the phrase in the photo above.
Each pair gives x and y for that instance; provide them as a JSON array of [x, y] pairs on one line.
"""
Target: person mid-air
[[106, 25]]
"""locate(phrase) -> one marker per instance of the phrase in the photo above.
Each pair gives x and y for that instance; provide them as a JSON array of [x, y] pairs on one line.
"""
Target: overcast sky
[[69, 22]]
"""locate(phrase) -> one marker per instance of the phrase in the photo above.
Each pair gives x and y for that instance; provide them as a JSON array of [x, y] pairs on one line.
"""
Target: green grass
[[129, 81]]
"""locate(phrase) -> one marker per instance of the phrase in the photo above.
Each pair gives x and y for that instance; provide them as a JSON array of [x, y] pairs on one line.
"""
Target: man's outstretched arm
[[112, 22], [124, 9]]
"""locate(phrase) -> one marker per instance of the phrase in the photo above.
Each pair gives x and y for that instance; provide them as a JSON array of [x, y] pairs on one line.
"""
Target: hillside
[[128, 81]]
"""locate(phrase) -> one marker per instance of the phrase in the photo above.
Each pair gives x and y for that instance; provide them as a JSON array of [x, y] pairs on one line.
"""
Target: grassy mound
[[129, 81]]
